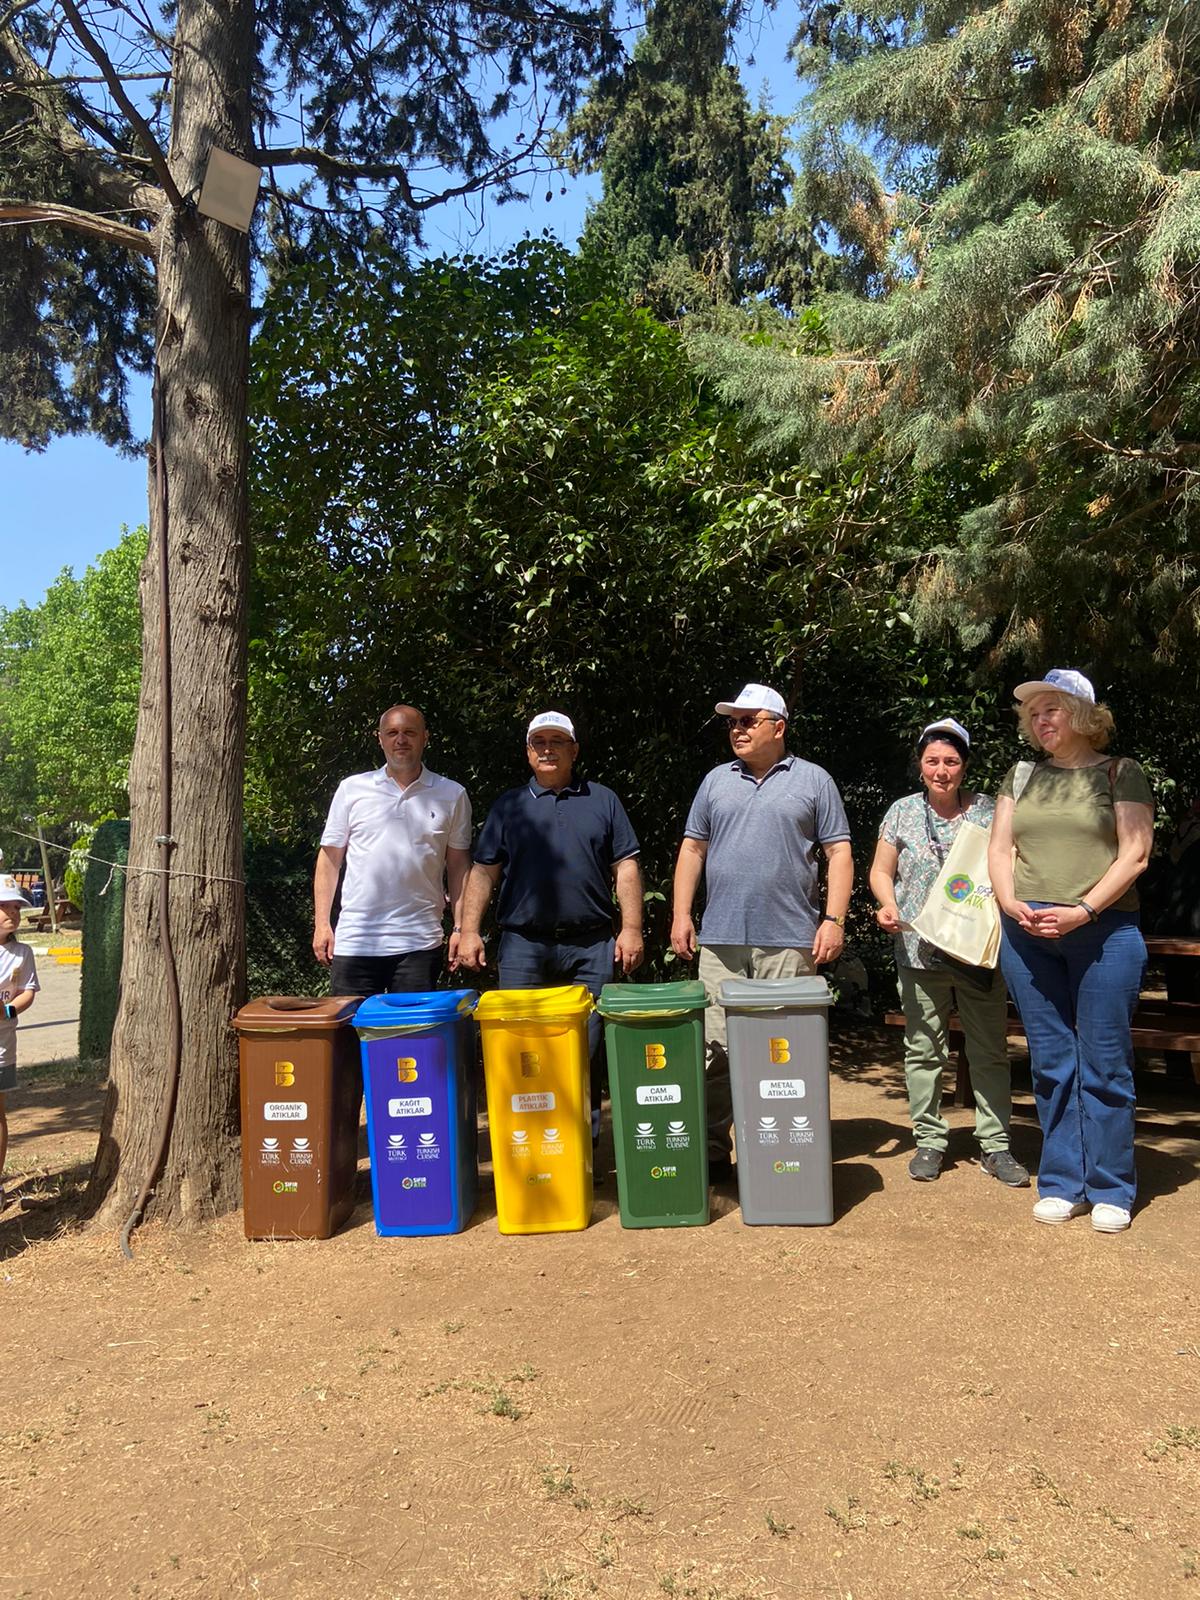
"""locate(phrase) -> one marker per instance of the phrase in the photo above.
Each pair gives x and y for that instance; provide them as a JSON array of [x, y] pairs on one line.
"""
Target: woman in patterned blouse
[[914, 839]]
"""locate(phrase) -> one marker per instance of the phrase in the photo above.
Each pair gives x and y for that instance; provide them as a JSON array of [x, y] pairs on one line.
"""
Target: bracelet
[[1093, 914], [838, 922]]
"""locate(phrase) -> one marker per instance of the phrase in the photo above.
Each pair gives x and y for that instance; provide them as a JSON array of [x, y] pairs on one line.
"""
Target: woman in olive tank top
[[1071, 836]]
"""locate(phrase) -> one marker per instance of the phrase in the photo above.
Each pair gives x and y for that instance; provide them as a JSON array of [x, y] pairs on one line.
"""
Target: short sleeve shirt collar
[[743, 771], [537, 790], [423, 780]]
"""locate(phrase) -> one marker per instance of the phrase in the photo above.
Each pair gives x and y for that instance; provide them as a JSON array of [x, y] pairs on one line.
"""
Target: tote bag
[[959, 916]]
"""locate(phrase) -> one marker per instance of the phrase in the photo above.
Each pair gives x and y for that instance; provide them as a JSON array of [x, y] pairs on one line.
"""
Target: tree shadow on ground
[[854, 1182], [49, 1203]]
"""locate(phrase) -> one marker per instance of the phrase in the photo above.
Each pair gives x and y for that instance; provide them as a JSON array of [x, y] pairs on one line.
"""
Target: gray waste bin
[[779, 1069]]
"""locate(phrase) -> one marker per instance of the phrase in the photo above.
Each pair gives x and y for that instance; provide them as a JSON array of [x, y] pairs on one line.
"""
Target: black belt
[[560, 931]]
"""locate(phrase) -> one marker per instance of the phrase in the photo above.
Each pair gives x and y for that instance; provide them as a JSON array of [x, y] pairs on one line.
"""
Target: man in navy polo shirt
[[753, 832], [556, 847]]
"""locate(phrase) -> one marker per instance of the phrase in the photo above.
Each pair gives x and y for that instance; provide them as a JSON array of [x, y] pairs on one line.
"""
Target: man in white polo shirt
[[752, 833], [404, 833]]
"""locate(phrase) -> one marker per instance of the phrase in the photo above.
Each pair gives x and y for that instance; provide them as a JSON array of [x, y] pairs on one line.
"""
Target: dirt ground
[[935, 1396]]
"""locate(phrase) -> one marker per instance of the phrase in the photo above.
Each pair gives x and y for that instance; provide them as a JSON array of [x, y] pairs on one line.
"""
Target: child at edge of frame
[[18, 988]]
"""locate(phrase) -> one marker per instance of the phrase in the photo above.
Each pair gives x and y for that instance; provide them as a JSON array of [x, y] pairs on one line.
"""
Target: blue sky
[[66, 506]]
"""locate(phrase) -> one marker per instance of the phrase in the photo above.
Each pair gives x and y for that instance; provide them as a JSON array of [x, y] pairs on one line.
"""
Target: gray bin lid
[[774, 994]]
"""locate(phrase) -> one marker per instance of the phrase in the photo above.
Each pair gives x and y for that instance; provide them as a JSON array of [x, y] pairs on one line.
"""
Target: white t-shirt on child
[[18, 972]]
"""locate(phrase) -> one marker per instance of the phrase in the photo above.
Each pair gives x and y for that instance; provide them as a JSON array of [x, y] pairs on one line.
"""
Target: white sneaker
[[1109, 1219], [1055, 1209]]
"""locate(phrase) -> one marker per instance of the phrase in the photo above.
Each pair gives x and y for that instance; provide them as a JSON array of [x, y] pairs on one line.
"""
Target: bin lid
[[637, 1000], [385, 1013], [534, 1005], [774, 994], [290, 1013]]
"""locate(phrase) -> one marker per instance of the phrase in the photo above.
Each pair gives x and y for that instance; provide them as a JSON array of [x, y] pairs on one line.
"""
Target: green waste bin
[[654, 1036]]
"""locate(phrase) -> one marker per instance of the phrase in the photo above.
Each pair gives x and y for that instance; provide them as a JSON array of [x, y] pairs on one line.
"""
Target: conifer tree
[[1028, 223], [697, 205]]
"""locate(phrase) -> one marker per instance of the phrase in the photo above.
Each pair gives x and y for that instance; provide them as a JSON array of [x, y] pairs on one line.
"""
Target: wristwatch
[[838, 922]]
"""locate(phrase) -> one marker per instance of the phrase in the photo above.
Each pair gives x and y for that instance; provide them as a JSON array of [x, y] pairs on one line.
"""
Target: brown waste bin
[[301, 1088]]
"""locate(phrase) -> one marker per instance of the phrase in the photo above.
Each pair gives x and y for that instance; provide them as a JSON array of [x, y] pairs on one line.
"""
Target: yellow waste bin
[[535, 1068]]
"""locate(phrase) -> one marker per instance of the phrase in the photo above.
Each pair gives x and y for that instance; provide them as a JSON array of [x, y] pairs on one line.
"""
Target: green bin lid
[[774, 994], [651, 999]]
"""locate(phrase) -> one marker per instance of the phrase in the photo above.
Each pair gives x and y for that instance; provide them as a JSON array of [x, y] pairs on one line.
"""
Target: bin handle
[[400, 1030], [812, 1005], [292, 1003], [647, 1016], [559, 1017], [243, 1030]]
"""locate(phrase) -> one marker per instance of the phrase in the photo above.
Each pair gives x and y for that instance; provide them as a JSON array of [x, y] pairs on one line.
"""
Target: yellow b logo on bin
[[656, 1057], [779, 1051], [531, 1066], [406, 1068], [285, 1074]]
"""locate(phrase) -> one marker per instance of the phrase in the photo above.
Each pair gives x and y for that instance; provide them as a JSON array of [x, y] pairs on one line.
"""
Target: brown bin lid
[[287, 1013]]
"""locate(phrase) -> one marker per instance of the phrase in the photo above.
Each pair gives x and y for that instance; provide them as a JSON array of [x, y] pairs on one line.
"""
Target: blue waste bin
[[418, 1065]]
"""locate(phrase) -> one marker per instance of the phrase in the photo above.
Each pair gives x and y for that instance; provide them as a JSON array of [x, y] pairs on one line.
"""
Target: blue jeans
[[532, 963], [1076, 996]]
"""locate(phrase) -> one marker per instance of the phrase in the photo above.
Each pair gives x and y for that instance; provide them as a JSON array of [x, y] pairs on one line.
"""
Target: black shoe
[[720, 1169], [926, 1165], [1003, 1164]]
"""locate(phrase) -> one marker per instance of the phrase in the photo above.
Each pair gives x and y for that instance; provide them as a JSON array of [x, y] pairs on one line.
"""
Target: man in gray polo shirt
[[753, 832]]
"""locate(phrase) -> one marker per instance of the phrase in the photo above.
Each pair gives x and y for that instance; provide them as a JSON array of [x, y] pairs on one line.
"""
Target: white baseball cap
[[1063, 679], [948, 725], [11, 890], [551, 719], [754, 697]]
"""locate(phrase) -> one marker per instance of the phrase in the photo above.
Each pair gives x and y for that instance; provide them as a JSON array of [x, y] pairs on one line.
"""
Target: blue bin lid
[[407, 1011], [771, 994]]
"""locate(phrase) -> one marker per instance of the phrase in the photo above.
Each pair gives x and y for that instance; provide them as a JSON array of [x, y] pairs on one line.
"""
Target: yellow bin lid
[[534, 1005]]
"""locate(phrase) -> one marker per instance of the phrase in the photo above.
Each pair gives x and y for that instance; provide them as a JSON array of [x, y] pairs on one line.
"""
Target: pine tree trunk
[[203, 339]]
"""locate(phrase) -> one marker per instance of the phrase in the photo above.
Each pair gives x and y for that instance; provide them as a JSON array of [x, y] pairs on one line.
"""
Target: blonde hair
[[1094, 722]]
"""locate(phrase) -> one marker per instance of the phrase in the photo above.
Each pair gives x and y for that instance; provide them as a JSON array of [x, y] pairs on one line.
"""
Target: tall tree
[[697, 203], [363, 116], [69, 675], [1028, 219]]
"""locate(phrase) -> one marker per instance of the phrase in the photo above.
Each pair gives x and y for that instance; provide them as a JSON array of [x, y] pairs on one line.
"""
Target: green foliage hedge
[[103, 932]]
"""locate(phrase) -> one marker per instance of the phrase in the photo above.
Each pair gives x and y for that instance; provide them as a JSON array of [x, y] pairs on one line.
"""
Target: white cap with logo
[[947, 725], [1063, 679], [754, 697], [11, 890], [551, 719]]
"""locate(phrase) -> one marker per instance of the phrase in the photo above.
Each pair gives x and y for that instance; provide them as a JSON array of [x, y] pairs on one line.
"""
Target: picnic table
[[1170, 1025]]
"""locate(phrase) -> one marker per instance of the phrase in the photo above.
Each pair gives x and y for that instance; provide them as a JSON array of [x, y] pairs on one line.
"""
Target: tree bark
[[203, 325]]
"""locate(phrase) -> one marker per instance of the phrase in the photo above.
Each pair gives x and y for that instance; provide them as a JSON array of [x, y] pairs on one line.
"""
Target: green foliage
[[1029, 240], [102, 902], [356, 393], [76, 867], [69, 674], [696, 208], [279, 958], [529, 534]]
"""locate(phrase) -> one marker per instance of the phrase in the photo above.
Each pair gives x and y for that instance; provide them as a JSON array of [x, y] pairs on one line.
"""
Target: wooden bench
[[63, 909], [1157, 1025]]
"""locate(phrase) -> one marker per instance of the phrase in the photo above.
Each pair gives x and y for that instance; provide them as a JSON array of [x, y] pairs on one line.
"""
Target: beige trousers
[[718, 962]]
